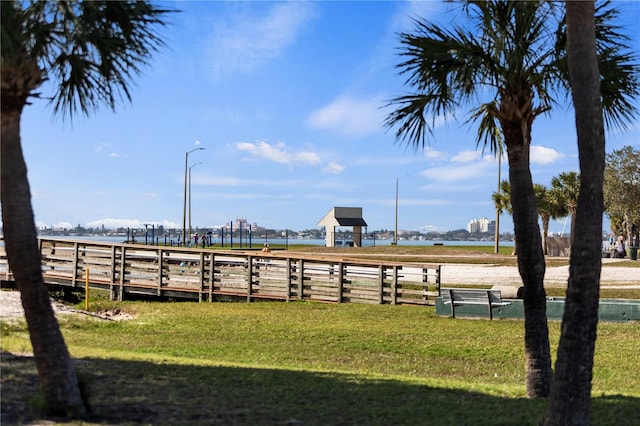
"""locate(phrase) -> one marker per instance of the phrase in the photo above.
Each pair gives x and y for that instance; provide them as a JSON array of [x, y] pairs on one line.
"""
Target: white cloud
[[455, 173], [402, 21], [367, 160], [278, 153], [432, 154], [106, 146], [245, 43], [432, 228], [349, 116], [112, 223], [229, 181], [219, 181], [99, 147], [333, 168], [423, 202], [466, 156], [542, 155], [451, 187]]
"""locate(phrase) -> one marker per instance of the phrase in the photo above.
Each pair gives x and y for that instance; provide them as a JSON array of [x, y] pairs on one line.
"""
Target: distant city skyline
[[481, 225], [288, 100]]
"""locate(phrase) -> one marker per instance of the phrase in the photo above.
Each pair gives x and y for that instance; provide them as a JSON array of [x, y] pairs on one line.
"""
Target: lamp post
[[496, 243], [199, 162], [395, 234], [184, 207]]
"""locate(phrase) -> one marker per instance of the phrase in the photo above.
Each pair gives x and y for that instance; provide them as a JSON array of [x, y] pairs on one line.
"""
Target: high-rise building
[[476, 226]]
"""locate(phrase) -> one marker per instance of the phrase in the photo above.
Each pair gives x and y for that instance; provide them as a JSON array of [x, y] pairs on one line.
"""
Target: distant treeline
[[345, 234]]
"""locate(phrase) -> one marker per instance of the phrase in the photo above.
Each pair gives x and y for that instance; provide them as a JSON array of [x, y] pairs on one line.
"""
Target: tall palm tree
[[513, 53], [566, 188], [570, 398], [90, 50], [502, 201], [549, 207]]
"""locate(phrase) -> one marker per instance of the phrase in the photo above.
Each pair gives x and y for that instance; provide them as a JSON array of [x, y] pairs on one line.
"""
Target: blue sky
[[287, 100]]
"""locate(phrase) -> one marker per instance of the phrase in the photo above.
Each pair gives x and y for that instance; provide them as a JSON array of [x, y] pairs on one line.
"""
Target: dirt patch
[[11, 309]]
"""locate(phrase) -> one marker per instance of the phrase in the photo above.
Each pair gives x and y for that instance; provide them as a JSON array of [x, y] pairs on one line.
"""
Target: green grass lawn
[[315, 364]]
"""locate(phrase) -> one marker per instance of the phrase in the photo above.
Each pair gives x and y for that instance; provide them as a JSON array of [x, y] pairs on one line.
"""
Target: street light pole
[[199, 162], [184, 206], [496, 245], [395, 234]]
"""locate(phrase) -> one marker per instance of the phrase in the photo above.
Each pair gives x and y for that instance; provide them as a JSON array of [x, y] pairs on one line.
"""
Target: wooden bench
[[472, 296]]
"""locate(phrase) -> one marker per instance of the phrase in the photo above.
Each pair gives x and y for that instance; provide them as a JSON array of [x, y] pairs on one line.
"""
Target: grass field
[[312, 364], [302, 363]]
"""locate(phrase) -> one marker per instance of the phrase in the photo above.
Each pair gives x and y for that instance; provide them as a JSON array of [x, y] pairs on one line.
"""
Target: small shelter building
[[343, 216]]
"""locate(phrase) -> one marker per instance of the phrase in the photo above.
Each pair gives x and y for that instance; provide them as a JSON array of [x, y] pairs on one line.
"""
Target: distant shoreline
[[295, 241]]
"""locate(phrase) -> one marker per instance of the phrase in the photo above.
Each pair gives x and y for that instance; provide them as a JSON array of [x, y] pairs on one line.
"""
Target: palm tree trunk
[[58, 379], [545, 233], [531, 266], [570, 399]]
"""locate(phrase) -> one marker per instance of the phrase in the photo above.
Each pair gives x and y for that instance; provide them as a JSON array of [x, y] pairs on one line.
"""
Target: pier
[[209, 275]]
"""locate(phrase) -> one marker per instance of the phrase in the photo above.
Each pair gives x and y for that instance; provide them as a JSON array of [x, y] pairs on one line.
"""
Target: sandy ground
[[11, 308], [611, 276], [451, 274]]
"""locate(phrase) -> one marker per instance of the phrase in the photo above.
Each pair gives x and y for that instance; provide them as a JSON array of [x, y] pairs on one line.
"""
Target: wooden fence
[[209, 275]]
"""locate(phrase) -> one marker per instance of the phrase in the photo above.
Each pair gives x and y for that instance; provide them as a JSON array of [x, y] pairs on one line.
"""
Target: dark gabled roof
[[343, 216], [351, 221]]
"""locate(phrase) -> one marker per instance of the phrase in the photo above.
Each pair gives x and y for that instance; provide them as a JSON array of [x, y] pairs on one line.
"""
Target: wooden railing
[[208, 275]]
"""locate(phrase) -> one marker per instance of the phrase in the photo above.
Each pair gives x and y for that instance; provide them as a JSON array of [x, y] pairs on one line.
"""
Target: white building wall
[[481, 225]]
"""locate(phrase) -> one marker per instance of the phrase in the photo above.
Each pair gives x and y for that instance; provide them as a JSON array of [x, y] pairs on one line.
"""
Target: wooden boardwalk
[[210, 275]]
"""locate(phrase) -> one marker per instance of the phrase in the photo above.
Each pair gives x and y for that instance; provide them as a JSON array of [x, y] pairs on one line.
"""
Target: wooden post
[[112, 272], [425, 280], [381, 272], [86, 291], [212, 276], [159, 274], [289, 273], [394, 286], [123, 271], [160, 271], [301, 279], [112, 279], [75, 264], [249, 276], [201, 290], [340, 281]]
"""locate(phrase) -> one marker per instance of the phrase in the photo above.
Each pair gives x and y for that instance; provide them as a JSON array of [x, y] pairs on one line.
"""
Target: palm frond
[[619, 67], [92, 49], [489, 134], [410, 118]]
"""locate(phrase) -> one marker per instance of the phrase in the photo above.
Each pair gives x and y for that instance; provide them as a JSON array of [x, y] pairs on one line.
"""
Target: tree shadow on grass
[[134, 392]]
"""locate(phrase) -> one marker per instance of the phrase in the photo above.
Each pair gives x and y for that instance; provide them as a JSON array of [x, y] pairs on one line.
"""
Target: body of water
[[257, 242]]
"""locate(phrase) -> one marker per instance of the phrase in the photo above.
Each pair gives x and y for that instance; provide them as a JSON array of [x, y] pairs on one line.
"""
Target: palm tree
[[565, 188], [91, 50], [570, 398], [512, 53], [502, 201], [548, 208]]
